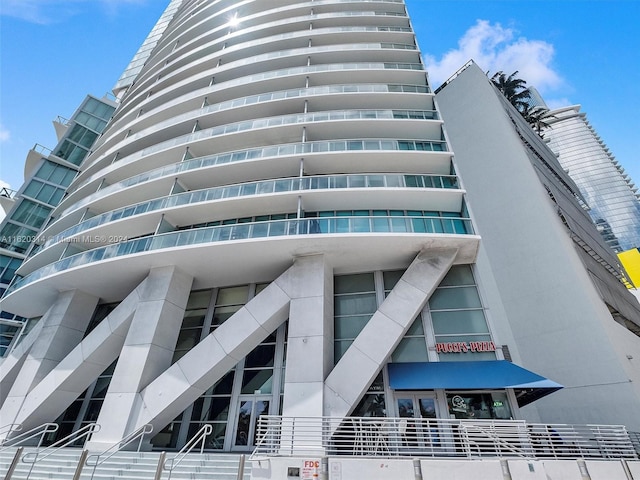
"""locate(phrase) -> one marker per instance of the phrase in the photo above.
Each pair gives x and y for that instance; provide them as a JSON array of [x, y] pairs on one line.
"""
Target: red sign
[[464, 347]]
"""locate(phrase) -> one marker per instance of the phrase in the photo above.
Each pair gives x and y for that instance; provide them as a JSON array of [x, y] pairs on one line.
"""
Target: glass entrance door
[[250, 408], [415, 428]]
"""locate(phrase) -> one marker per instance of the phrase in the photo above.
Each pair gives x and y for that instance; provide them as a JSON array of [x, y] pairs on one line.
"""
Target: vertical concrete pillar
[[310, 339], [309, 348], [147, 350], [63, 327]]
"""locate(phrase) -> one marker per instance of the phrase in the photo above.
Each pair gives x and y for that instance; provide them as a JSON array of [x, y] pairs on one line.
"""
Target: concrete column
[[310, 340], [147, 351], [309, 346], [357, 368], [63, 327]]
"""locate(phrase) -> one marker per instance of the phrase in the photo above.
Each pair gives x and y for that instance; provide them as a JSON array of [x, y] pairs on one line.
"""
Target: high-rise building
[[47, 176], [564, 311], [609, 191], [272, 223]]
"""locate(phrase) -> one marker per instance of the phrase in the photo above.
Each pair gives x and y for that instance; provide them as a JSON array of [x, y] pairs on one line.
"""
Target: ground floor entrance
[[250, 408]]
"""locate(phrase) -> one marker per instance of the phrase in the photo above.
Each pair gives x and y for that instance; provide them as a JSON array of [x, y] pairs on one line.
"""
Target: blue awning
[[490, 374]]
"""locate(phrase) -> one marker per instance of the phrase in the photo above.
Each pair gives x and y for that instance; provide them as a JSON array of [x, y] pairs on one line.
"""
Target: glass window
[[354, 283], [411, 350], [390, 279], [351, 326], [262, 356], [458, 319], [8, 267], [16, 237], [490, 405], [199, 299], [459, 322], [257, 381], [46, 170], [355, 304], [31, 213], [450, 298], [232, 295], [33, 188]]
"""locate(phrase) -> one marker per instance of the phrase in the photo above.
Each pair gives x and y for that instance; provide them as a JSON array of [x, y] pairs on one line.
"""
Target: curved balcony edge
[[216, 264]]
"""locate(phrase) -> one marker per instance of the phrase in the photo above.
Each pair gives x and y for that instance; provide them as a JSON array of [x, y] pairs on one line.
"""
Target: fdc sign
[[310, 469]]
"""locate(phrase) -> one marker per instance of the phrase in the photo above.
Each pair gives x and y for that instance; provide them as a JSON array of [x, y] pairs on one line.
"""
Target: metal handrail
[[7, 430], [202, 435], [500, 442], [24, 437], [438, 437], [83, 432], [118, 446]]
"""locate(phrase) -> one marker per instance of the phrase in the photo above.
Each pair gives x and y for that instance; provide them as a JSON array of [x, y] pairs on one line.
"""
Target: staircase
[[126, 466]]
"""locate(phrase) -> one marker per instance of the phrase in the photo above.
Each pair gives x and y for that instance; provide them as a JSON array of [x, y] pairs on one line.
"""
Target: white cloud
[[553, 103], [494, 48], [5, 135], [53, 11]]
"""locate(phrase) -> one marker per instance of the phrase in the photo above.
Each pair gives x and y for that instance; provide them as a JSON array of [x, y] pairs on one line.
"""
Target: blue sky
[[54, 52]]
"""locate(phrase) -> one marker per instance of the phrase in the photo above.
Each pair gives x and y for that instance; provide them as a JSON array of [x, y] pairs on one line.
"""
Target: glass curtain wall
[[454, 313]]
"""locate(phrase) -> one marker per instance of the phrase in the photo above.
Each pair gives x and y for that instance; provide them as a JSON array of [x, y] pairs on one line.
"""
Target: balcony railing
[[334, 146], [406, 224], [421, 437], [287, 120], [265, 187]]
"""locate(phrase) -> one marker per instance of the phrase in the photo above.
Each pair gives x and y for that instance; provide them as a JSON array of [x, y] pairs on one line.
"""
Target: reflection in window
[[493, 405]]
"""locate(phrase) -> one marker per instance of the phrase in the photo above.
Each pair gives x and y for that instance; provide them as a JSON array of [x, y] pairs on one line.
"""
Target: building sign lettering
[[464, 347]]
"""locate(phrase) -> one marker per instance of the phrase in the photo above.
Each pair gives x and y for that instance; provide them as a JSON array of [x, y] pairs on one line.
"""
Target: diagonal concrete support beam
[[63, 327], [188, 378], [79, 368], [355, 371], [12, 364]]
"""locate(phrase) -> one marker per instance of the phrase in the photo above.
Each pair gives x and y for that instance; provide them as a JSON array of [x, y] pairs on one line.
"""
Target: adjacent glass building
[[607, 189], [48, 175]]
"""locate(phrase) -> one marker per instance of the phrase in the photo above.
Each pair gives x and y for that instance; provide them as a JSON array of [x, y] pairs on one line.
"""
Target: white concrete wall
[[438, 469], [457, 470], [559, 325], [603, 470]]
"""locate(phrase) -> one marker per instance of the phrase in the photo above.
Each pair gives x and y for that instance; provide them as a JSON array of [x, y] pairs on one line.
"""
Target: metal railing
[[170, 464], [7, 430], [416, 437], [25, 437], [427, 223], [635, 440], [264, 187], [100, 458], [81, 434], [7, 192]]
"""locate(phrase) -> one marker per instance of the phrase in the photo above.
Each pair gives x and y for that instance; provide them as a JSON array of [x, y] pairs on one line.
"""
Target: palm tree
[[537, 117], [513, 88]]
